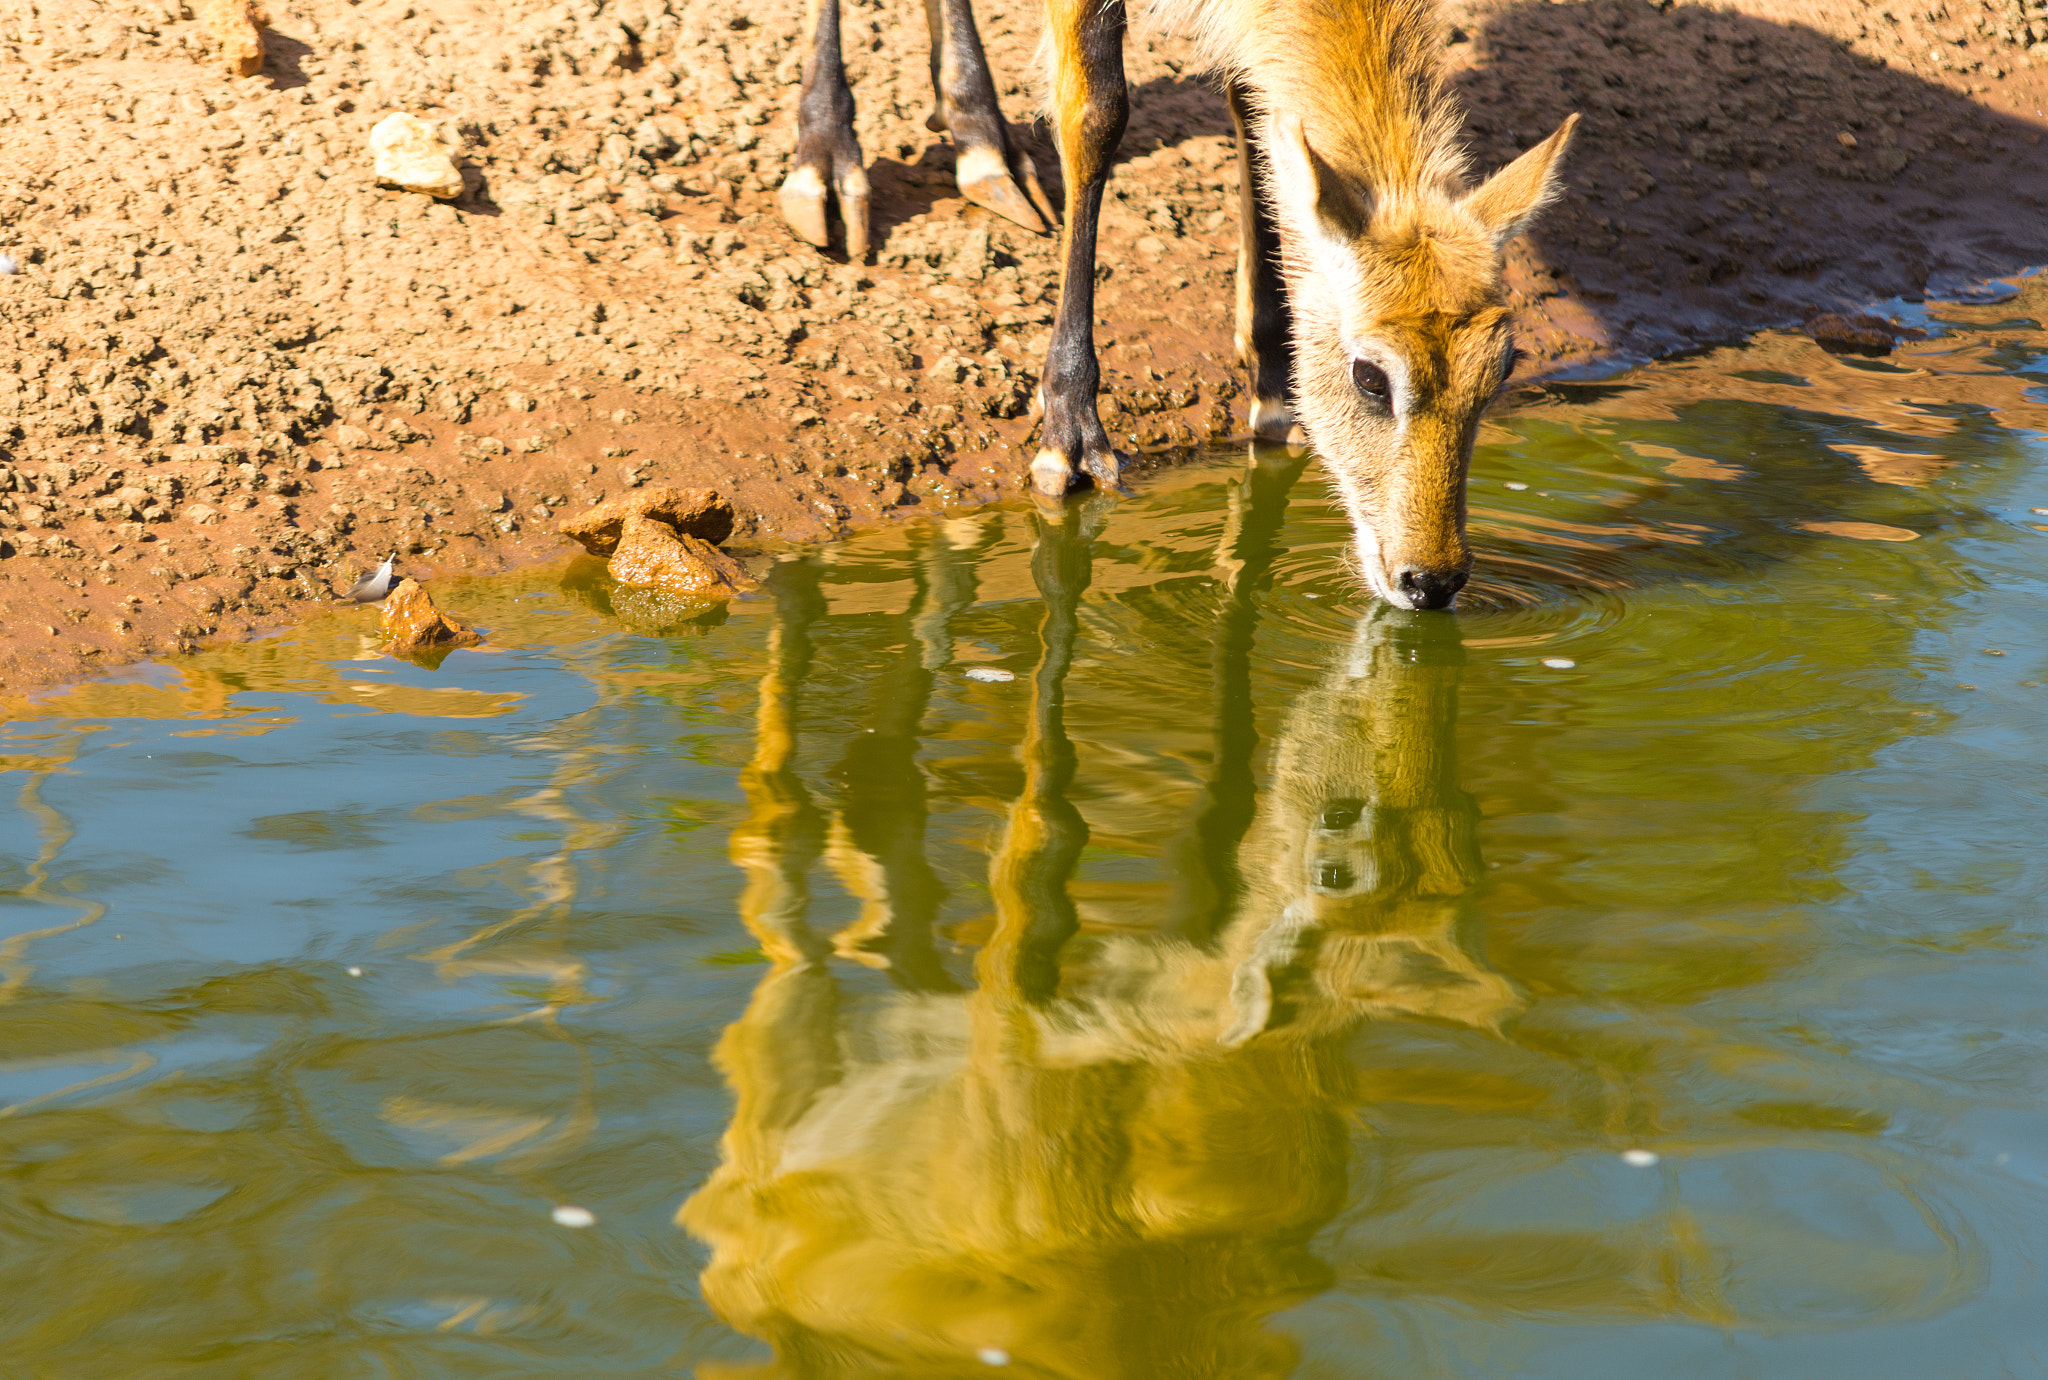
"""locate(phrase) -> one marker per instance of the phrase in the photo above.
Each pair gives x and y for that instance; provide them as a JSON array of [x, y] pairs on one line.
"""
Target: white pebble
[[1511, 484], [1639, 1159], [8, 265], [355, 972], [1315, 596], [1559, 663], [995, 675], [993, 1356], [566, 1216]]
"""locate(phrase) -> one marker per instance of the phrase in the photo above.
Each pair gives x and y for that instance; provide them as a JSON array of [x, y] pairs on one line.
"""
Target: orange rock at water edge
[[700, 513], [653, 555], [413, 624], [237, 25], [410, 157]]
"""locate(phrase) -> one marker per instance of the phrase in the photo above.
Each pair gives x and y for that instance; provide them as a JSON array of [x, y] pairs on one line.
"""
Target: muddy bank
[[234, 371]]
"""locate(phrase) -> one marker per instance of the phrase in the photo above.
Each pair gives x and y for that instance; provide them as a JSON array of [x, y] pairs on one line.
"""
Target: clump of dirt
[[235, 372]]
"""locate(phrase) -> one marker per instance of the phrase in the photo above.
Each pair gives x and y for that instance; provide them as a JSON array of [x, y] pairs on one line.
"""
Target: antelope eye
[[1371, 380]]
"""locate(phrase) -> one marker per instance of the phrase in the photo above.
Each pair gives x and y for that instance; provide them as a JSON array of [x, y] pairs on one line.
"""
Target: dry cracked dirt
[[235, 372]]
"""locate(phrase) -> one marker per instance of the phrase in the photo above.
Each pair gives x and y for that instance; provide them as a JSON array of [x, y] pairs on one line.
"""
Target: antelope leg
[[1092, 108], [989, 172], [828, 164]]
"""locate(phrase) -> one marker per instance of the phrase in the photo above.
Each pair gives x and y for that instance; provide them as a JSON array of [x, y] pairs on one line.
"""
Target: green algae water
[[1093, 940]]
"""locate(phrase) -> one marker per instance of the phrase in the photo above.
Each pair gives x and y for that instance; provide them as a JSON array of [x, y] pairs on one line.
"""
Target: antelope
[[1371, 313]]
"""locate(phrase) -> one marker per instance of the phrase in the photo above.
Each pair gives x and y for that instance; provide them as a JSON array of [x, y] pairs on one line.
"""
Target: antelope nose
[[1429, 589]]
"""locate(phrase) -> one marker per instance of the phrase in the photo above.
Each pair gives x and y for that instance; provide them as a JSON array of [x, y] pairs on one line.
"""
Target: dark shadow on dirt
[[1731, 173], [476, 199], [282, 55]]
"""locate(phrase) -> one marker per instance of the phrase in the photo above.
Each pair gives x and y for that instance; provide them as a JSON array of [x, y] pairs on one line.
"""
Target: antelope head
[[1402, 338]]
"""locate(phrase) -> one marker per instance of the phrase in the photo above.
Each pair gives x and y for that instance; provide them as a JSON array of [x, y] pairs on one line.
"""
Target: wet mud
[[235, 372]]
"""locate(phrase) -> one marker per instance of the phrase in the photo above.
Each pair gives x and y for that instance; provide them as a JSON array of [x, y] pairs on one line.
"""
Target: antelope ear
[[1506, 202], [1301, 177]]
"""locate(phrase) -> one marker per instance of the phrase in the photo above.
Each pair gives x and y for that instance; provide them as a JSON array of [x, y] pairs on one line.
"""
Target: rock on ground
[[237, 26], [700, 513], [652, 555], [413, 624], [407, 155]]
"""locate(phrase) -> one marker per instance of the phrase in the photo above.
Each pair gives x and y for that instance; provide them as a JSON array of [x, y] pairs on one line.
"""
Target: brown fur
[[1386, 254]]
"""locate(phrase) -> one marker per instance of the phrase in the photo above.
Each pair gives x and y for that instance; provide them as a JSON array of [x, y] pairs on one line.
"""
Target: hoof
[[985, 180], [1273, 420], [1107, 471], [1051, 474], [805, 200], [802, 200]]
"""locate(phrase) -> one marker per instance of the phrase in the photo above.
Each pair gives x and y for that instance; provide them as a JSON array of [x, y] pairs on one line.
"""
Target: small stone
[[652, 555], [197, 514], [409, 156], [1639, 1159], [1511, 484], [8, 265], [700, 513], [1858, 333], [355, 972], [413, 624], [1559, 663], [994, 675], [237, 25], [567, 1216], [1846, 139], [993, 1356]]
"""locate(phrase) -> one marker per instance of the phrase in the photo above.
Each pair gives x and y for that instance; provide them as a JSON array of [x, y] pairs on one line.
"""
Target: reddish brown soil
[[234, 372]]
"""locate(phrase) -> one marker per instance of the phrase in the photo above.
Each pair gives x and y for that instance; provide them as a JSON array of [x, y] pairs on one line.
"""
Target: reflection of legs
[[1208, 871], [1092, 106], [989, 171], [1045, 833], [878, 836], [828, 160], [784, 1048], [1263, 329], [784, 832]]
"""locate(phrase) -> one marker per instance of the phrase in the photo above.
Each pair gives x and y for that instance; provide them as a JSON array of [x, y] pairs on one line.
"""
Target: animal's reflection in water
[[1108, 1157]]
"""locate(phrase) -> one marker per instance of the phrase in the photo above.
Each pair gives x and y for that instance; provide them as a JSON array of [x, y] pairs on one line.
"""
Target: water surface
[[1094, 940]]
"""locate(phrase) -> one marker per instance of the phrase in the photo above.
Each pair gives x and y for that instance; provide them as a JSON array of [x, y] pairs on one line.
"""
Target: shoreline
[[234, 372]]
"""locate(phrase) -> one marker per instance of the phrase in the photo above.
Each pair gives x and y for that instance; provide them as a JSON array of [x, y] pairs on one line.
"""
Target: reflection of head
[[1095, 1183], [1363, 843]]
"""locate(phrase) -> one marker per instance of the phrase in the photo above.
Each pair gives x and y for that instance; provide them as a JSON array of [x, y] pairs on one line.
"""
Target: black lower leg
[[827, 164], [1264, 331], [1093, 109], [990, 173]]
